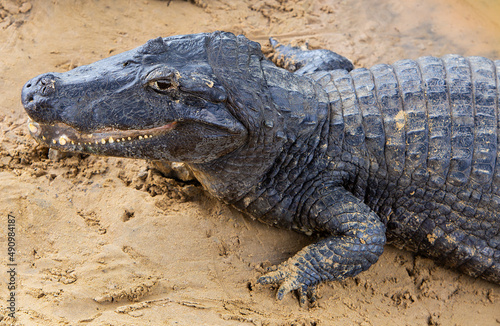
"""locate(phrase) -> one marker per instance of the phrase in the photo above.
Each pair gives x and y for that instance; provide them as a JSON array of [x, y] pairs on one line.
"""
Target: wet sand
[[106, 241]]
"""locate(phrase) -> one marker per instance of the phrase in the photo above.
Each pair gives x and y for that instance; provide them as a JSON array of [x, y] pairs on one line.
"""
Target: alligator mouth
[[60, 135]]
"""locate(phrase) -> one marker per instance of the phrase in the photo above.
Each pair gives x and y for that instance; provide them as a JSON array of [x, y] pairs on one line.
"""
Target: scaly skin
[[408, 151]]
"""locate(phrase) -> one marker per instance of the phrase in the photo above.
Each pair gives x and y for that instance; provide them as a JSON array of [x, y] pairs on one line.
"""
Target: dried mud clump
[[268, 9], [13, 12], [133, 293], [92, 221], [67, 276]]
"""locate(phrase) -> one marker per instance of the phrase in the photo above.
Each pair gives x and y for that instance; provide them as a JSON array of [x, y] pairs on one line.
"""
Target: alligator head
[[166, 100], [201, 99]]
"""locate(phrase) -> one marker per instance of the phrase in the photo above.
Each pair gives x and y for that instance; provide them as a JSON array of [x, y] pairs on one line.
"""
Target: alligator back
[[427, 135]]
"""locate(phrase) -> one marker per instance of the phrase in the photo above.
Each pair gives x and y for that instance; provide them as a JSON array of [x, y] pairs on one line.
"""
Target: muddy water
[[94, 235]]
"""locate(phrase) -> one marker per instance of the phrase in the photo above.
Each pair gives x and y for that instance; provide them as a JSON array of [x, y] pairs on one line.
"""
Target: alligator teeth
[[63, 140], [74, 139], [33, 129]]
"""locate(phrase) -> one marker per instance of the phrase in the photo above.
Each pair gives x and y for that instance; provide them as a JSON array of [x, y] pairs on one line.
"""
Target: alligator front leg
[[304, 62], [356, 242]]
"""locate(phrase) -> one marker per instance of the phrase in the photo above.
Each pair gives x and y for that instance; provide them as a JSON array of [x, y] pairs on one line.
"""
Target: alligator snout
[[43, 85], [35, 96]]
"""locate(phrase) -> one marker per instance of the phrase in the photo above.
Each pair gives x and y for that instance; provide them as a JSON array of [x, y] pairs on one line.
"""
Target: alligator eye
[[162, 85]]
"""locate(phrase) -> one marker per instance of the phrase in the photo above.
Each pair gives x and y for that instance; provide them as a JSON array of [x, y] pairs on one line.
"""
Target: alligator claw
[[290, 278], [274, 42]]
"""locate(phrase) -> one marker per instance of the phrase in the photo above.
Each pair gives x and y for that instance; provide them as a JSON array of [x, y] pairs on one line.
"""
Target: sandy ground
[[105, 241]]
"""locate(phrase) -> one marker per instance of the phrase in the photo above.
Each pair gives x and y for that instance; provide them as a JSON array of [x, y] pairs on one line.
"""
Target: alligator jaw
[[64, 137]]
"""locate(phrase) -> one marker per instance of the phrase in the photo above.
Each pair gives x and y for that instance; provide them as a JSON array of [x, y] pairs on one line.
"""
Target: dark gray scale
[[374, 134], [389, 102], [485, 148], [354, 144], [485, 121], [415, 109], [411, 201], [438, 235], [439, 120], [336, 124], [459, 83], [495, 186], [336, 137]]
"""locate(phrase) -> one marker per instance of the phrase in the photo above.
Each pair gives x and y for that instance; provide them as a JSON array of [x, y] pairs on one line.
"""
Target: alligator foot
[[305, 62], [290, 276]]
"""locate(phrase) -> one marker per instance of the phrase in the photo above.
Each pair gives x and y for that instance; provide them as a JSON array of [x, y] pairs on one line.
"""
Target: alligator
[[406, 154]]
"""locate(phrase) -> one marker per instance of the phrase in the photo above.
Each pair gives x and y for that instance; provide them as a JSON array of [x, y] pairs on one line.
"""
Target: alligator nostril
[[37, 92]]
